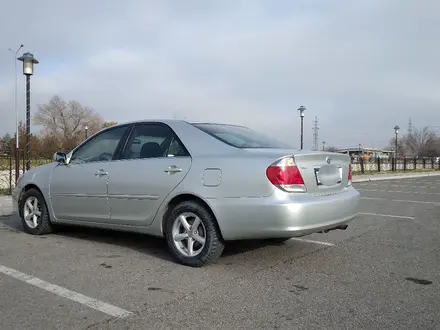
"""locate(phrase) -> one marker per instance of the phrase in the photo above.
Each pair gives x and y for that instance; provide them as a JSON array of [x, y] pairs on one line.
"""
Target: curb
[[5, 206], [380, 177]]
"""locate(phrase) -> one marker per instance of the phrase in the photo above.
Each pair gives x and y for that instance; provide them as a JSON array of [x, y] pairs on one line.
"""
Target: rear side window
[[241, 137]]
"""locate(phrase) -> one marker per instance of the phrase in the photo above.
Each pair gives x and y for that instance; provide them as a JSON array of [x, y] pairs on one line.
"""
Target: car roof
[[172, 121], [150, 120]]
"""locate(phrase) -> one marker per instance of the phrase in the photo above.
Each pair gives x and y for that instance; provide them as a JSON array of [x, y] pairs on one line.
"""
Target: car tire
[[180, 234], [35, 217]]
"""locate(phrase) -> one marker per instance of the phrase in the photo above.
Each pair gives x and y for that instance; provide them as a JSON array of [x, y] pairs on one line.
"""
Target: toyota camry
[[198, 185]]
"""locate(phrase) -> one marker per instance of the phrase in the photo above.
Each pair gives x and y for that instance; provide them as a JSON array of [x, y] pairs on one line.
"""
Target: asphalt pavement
[[382, 272]]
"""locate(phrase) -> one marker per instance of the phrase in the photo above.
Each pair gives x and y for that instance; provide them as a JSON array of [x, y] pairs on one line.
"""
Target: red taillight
[[285, 175], [281, 175], [350, 174]]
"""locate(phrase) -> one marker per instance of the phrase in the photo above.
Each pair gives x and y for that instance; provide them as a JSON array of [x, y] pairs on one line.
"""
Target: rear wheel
[[34, 213], [192, 235]]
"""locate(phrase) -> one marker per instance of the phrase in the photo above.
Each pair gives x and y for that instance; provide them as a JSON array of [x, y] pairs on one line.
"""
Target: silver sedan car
[[196, 184]]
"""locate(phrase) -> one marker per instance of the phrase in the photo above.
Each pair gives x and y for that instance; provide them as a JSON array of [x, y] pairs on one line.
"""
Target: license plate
[[318, 181]]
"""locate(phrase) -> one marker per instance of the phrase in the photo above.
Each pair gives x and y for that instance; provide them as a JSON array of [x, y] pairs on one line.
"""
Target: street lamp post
[[17, 135], [396, 131], [28, 70], [86, 130], [301, 110]]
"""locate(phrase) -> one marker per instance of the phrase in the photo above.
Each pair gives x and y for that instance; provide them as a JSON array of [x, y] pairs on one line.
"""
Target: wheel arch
[[183, 197]]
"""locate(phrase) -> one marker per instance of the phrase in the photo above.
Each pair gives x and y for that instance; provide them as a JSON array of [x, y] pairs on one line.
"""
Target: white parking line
[[311, 241], [400, 200], [65, 293], [388, 215], [401, 192]]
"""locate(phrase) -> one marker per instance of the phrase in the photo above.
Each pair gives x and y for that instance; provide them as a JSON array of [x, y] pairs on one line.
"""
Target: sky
[[361, 67]]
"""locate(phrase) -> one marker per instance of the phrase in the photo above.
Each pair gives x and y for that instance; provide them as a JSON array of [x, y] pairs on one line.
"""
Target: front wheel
[[34, 213], [192, 235]]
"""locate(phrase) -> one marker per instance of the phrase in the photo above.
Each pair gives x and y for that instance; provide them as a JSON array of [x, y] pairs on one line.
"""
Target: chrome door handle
[[101, 173], [173, 169]]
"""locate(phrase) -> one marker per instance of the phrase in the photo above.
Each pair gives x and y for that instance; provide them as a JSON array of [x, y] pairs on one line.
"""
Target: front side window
[[101, 148], [153, 141], [240, 136]]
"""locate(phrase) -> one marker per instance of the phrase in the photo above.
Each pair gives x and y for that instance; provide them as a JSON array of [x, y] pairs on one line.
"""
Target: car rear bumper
[[284, 215]]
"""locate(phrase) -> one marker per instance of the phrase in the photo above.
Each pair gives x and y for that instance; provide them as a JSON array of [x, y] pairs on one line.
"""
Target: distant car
[[196, 184]]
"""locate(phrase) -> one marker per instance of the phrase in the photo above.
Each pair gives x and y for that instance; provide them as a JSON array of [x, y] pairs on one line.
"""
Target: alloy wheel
[[32, 212], [189, 234]]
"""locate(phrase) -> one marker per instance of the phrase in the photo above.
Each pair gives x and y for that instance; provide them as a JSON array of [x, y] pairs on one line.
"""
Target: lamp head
[[28, 63]]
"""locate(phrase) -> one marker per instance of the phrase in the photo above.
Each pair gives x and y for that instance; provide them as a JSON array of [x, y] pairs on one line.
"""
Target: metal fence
[[8, 169], [399, 164], [360, 166]]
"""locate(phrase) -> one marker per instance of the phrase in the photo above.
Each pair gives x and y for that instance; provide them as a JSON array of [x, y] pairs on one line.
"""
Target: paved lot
[[382, 272]]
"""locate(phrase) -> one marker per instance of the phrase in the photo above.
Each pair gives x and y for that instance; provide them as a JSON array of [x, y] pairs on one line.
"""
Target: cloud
[[360, 66]]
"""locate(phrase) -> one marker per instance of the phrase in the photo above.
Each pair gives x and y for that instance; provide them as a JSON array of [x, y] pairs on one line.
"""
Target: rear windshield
[[241, 137]]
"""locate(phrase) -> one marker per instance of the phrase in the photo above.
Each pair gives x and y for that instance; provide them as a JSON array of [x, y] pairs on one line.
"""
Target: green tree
[[6, 144]]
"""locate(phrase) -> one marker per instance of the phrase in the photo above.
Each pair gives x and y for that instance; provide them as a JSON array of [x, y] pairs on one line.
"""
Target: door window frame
[[121, 143], [122, 149]]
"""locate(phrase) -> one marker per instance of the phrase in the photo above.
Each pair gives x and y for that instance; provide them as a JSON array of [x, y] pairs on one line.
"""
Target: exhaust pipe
[[341, 227]]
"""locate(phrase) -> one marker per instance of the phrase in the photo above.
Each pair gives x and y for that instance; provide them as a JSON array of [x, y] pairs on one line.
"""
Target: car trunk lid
[[322, 172]]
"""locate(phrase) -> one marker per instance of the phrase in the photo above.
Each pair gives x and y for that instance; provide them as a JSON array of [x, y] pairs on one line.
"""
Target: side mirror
[[59, 157]]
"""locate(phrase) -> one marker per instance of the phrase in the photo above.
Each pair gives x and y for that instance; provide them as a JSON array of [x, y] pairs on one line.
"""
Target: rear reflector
[[284, 174]]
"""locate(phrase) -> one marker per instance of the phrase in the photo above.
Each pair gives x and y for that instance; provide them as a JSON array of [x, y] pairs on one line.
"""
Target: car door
[[152, 164], [78, 188]]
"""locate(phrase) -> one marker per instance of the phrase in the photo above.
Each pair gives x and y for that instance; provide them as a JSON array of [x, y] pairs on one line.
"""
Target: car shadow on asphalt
[[150, 245]]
